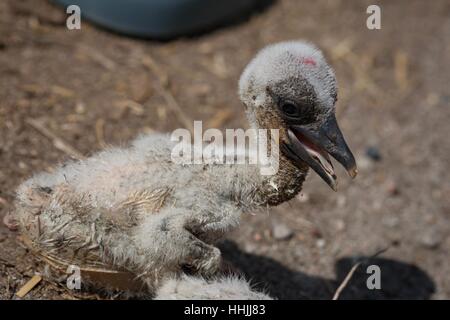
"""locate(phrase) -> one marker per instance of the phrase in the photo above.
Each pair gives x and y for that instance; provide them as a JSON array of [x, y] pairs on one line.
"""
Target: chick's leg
[[212, 224], [168, 247]]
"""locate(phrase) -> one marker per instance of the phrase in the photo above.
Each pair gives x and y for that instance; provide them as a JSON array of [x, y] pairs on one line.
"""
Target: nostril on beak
[[332, 137]]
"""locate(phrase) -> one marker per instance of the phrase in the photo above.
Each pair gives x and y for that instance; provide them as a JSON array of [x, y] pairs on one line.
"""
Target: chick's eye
[[290, 109]]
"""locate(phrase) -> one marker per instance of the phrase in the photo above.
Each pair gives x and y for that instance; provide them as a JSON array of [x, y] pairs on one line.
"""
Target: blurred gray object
[[164, 19]]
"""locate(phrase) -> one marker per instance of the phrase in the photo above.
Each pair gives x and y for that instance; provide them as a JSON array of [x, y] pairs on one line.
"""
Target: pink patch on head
[[309, 61]]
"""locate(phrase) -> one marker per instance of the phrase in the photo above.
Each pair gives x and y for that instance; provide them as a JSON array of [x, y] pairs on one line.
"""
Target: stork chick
[[134, 213]]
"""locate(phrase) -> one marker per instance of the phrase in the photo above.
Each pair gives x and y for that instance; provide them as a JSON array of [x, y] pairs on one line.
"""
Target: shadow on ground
[[399, 280]]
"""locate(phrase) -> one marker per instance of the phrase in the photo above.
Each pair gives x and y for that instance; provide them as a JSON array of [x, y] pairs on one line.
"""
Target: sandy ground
[[92, 88]]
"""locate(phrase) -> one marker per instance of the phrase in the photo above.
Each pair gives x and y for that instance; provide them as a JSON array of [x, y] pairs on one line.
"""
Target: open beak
[[313, 146]]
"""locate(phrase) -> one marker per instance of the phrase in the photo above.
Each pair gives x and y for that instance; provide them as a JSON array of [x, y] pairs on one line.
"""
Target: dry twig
[[98, 57], [27, 287], [352, 271], [401, 62], [59, 143], [100, 132], [172, 103]]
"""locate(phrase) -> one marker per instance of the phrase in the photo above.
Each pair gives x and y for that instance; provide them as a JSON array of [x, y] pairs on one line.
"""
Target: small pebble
[[373, 153], [320, 243], [431, 239], [390, 221], [22, 165], [80, 108], [303, 197], [364, 163], [339, 225], [250, 247], [341, 201], [280, 231], [392, 188]]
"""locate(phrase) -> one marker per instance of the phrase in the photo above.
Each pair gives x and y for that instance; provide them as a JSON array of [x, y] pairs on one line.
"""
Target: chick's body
[[136, 210]]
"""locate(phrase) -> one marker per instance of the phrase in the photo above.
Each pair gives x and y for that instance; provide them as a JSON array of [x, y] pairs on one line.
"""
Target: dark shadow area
[[398, 280]]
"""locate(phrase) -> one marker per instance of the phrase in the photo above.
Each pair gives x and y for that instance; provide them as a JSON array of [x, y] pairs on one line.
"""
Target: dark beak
[[313, 145]]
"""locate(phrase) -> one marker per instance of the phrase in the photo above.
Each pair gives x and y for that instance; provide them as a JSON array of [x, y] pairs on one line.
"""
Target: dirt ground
[[91, 88]]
